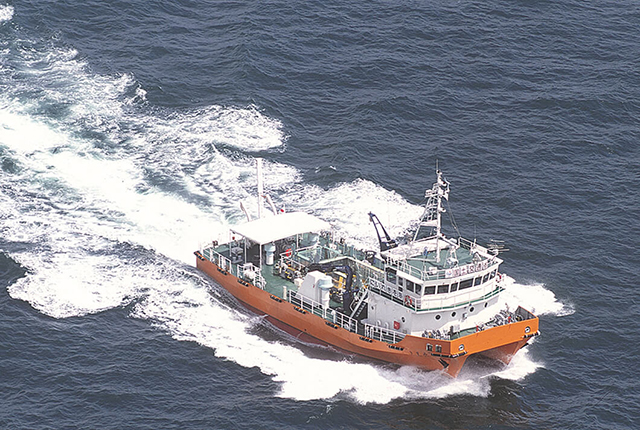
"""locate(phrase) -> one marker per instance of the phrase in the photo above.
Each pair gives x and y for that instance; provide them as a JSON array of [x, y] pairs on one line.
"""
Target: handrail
[[363, 295], [405, 267], [328, 314], [341, 320], [383, 334]]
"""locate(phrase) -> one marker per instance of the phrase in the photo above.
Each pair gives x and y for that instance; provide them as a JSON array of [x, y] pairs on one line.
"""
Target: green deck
[[423, 263]]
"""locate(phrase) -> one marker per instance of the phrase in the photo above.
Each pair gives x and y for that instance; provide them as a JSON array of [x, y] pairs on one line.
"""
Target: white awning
[[266, 230]]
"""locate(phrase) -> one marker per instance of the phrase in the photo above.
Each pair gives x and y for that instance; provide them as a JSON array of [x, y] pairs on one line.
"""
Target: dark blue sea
[[128, 137]]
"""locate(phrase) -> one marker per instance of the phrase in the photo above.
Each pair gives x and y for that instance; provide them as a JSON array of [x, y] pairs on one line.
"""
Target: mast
[[260, 186], [442, 190], [260, 205], [432, 216]]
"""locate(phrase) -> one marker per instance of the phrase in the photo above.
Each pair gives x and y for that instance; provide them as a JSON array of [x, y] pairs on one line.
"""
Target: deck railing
[[440, 274], [339, 319], [328, 314], [383, 334]]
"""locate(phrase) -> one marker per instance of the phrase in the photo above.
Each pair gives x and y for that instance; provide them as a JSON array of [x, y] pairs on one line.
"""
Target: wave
[[6, 13], [535, 298], [109, 197]]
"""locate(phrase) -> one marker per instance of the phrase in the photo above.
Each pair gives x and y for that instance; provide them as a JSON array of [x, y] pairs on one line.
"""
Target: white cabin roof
[[270, 229]]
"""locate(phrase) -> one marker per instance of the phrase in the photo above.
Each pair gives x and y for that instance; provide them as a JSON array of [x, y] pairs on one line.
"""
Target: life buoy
[[288, 252], [408, 300], [499, 277]]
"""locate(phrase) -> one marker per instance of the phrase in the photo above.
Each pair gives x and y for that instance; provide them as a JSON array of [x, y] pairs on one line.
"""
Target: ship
[[424, 300]]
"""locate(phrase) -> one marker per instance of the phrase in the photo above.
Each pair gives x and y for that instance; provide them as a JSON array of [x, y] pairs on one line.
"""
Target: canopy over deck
[[266, 230]]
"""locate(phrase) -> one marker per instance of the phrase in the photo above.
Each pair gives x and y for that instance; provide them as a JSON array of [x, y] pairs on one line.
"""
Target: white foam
[[347, 206], [59, 79], [154, 219], [71, 284], [242, 128], [521, 365], [101, 103], [175, 141], [533, 297], [24, 135], [6, 13]]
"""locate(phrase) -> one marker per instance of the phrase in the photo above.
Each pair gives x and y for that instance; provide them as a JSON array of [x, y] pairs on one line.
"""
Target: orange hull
[[500, 342]]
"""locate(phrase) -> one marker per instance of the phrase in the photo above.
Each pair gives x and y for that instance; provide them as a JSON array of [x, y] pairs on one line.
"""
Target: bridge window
[[411, 286], [486, 278], [466, 284], [493, 274], [438, 348], [391, 275], [442, 289], [454, 287], [429, 347], [478, 281], [430, 290]]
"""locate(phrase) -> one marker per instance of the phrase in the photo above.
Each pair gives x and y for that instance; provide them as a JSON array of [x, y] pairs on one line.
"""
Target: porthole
[[527, 329], [453, 314], [438, 317], [403, 320], [461, 347], [485, 305], [472, 309]]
